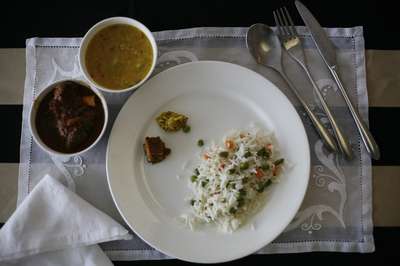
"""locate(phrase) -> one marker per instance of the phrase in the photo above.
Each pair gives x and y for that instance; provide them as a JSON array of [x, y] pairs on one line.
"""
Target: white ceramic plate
[[216, 97]]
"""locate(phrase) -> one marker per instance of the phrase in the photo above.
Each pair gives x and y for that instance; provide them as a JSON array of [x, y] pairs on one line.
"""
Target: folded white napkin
[[54, 226]]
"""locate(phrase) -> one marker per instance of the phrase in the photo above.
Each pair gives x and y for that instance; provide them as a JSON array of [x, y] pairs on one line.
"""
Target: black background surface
[[22, 20]]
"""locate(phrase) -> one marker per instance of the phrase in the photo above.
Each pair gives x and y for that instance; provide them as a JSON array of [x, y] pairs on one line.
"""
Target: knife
[[328, 53]]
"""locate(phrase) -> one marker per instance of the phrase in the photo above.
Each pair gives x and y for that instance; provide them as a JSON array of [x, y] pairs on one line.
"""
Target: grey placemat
[[336, 214]]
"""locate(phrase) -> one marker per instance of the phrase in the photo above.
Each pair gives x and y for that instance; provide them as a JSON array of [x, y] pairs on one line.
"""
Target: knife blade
[[328, 53], [324, 45]]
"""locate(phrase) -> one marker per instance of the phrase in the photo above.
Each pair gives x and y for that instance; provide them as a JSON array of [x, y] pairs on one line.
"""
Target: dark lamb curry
[[70, 117]]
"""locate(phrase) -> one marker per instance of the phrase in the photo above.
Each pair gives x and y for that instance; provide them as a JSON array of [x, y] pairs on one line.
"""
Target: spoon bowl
[[264, 46]]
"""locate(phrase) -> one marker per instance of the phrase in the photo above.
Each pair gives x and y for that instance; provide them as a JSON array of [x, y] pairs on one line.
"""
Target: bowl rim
[[101, 25], [36, 104]]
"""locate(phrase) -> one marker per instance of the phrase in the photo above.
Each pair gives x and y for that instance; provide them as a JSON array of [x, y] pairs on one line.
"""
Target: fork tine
[[285, 23], [291, 24], [278, 24], [285, 33]]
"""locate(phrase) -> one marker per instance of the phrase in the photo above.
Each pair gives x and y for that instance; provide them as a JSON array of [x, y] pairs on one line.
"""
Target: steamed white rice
[[232, 178]]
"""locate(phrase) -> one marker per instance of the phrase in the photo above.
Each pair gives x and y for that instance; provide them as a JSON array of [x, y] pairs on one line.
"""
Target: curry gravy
[[119, 56]]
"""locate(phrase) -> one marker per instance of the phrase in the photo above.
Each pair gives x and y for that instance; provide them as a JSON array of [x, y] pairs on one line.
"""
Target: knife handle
[[366, 135]]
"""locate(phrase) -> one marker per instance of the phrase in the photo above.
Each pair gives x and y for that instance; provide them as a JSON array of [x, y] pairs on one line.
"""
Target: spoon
[[265, 47]]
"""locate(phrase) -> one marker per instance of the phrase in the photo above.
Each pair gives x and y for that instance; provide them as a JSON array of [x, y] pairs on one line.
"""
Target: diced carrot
[[259, 172], [229, 144], [269, 146], [275, 170], [206, 157], [89, 100]]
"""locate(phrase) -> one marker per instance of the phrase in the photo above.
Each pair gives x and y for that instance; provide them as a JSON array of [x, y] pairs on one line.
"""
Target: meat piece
[[74, 114], [58, 91], [155, 149], [62, 129], [66, 99], [76, 135], [89, 100]]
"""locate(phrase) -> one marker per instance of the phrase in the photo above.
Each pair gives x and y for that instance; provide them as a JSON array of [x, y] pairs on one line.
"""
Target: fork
[[291, 42]]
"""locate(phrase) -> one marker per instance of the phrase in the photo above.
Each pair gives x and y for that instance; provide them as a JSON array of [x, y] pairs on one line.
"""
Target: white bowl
[[34, 109], [101, 25]]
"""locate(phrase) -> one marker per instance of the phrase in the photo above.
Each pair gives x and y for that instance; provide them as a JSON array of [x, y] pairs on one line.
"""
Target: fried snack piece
[[155, 149]]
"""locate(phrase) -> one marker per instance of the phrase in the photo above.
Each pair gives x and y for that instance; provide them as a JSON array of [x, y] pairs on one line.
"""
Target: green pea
[[224, 154], [263, 152], [204, 183], [244, 166], [200, 142], [265, 166], [231, 171], [196, 171], [230, 184], [192, 202], [279, 161], [193, 178], [186, 129], [264, 185], [240, 202], [247, 154]]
